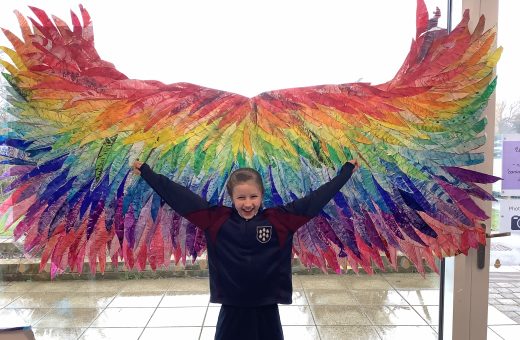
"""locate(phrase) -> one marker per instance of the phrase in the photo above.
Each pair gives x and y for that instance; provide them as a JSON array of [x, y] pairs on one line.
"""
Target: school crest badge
[[263, 233]]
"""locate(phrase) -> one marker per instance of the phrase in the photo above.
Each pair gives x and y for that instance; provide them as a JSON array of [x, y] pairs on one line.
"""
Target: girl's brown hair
[[243, 175]]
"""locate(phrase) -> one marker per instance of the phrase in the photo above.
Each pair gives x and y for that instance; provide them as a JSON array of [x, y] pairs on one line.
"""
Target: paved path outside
[[504, 293]]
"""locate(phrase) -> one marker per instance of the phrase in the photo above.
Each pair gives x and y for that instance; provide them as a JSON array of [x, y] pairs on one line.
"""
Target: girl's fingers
[[136, 165], [355, 162]]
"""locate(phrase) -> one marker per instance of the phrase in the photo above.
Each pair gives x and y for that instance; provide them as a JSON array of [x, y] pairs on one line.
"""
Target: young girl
[[249, 248]]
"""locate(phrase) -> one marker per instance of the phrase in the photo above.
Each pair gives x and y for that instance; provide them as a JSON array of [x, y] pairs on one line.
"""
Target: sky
[[248, 47], [508, 68]]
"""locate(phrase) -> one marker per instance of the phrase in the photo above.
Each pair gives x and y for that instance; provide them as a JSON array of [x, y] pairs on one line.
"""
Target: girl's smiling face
[[247, 199]]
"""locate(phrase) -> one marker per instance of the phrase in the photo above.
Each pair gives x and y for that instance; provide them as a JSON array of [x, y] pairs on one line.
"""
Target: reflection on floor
[[386, 306]]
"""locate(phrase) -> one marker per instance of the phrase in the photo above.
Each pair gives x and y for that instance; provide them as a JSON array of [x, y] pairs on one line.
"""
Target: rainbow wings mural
[[77, 124]]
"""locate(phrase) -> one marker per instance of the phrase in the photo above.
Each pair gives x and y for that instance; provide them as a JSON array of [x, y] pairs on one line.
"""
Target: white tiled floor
[[387, 306]]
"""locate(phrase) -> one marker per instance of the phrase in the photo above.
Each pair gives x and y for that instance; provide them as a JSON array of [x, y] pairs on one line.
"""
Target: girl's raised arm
[[181, 199], [311, 205]]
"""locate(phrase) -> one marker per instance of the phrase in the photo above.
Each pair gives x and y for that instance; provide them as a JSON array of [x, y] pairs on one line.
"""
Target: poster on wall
[[510, 215], [511, 165]]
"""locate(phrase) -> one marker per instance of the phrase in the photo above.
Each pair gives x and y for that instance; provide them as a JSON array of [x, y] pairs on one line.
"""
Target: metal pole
[[441, 299], [443, 264]]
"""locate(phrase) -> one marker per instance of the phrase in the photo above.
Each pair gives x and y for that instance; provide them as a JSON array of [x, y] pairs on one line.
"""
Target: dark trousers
[[249, 323]]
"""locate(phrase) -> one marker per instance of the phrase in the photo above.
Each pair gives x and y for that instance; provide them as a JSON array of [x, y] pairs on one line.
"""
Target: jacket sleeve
[[311, 205], [180, 198]]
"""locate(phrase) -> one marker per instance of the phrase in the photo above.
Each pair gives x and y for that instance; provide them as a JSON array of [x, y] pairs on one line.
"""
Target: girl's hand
[[356, 164], [136, 166]]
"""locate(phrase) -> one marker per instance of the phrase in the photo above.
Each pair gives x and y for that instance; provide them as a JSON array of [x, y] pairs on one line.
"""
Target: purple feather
[[119, 223], [191, 230], [129, 227], [463, 199], [372, 233], [17, 170], [470, 175], [345, 231], [72, 219], [477, 191], [47, 167]]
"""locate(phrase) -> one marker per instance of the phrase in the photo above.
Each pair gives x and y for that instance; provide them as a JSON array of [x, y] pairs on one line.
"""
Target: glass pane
[[504, 279], [247, 49]]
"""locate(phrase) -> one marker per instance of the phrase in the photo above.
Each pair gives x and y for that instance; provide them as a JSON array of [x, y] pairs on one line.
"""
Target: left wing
[[77, 124]]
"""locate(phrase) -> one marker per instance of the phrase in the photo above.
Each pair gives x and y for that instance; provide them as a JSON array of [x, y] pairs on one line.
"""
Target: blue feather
[[342, 203], [55, 183], [15, 143], [156, 205]]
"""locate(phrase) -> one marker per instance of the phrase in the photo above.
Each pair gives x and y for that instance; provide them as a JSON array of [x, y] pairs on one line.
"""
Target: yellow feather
[[14, 57], [13, 70]]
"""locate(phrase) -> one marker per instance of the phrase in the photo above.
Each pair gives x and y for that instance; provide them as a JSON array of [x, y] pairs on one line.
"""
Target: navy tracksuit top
[[249, 260]]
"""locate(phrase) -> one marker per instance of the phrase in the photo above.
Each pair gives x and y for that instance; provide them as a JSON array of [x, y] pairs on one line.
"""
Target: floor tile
[[210, 320], [491, 335], [123, 317], [57, 333], [421, 297], [509, 332], [142, 285], [393, 315], [348, 333], [339, 315], [340, 305], [323, 282], [22, 286], [330, 297], [11, 322], [208, 333], [181, 333], [507, 308], [429, 313], [62, 300], [112, 333], [100, 286], [296, 315], [496, 317], [407, 332], [35, 300], [379, 297], [300, 333], [190, 284], [69, 318], [506, 302], [8, 298], [62, 286], [137, 299], [413, 281], [363, 282], [185, 299], [180, 316], [86, 300], [296, 282], [22, 316], [299, 298]]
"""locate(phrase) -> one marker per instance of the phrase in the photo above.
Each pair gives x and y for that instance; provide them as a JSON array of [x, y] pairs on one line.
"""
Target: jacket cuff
[[348, 167], [145, 170]]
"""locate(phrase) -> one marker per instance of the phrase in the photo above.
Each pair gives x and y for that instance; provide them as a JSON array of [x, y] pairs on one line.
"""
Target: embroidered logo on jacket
[[263, 233]]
